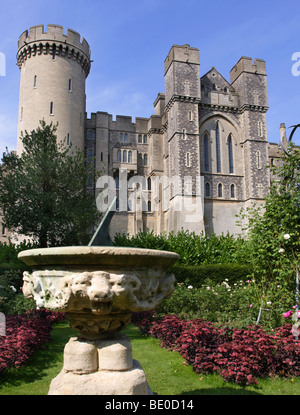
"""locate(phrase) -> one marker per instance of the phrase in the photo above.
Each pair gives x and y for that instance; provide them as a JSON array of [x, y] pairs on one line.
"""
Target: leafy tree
[[43, 192]]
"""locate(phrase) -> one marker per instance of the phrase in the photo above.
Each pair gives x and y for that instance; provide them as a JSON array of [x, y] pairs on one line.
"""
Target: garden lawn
[[166, 371]]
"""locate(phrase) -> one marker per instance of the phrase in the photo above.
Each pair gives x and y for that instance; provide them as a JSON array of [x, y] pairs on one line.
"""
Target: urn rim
[[105, 256]]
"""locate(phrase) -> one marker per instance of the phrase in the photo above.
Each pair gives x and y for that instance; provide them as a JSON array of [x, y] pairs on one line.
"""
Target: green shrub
[[9, 253], [12, 300], [192, 249], [216, 273]]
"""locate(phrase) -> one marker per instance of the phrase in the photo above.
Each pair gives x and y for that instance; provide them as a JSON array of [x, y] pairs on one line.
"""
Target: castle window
[[145, 160], [207, 189], [129, 156], [124, 156], [149, 183], [90, 134], [149, 206], [220, 190], [51, 108], [218, 148], [140, 139], [90, 155], [232, 191], [68, 139], [206, 152], [121, 137], [70, 85], [187, 160], [260, 129], [140, 159], [190, 116], [230, 154], [125, 138], [101, 156], [258, 160], [53, 51], [117, 204], [119, 155], [90, 180], [117, 182], [184, 133], [145, 138], [34, 81]]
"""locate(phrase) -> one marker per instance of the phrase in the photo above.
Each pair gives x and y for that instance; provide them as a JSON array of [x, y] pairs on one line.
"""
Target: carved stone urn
[[98, 288]]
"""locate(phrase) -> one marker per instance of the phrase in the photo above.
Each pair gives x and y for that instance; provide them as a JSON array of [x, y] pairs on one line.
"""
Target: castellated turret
[[54, 67]]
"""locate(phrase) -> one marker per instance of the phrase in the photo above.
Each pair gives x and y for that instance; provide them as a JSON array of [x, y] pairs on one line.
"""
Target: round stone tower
[[53, 68]]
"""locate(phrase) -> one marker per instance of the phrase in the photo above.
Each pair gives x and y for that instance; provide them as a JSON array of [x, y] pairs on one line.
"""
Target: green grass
[[166, 371]]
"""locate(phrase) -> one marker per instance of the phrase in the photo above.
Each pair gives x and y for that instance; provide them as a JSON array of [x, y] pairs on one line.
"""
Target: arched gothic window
[[206, 152], [129, 156], [90, 155], [117, 182], [124, 156], [230, 154], [119, 159], [145, 160], [218, 148], [207, 189], [220, 190], [232, 191], [258, 159]]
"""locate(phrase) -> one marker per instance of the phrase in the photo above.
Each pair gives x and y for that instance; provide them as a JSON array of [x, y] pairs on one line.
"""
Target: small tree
[[274, 232], [43, 192]]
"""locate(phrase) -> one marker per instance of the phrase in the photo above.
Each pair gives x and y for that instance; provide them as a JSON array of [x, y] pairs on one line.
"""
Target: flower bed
[[238, 355], [25, 334]]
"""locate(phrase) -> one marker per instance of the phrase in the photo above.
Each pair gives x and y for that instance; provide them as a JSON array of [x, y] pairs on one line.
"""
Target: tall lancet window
[[206, 152], [218, 148], [230, 154]]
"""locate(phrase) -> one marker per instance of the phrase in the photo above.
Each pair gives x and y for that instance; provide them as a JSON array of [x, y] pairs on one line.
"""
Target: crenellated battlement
[[246, 64], [36, 41]]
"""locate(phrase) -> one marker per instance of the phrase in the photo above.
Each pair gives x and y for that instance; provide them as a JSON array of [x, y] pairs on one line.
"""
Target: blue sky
[[130, 40]]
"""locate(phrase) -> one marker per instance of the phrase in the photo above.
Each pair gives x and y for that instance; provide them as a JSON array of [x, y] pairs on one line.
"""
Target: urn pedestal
[[98, 288]]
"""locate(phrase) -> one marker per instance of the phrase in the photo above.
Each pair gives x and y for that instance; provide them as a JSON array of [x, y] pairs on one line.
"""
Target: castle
[[206, 135]]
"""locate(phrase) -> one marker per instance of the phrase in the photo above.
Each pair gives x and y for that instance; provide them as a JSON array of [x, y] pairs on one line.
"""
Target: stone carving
[[98, 303], [99, 292]]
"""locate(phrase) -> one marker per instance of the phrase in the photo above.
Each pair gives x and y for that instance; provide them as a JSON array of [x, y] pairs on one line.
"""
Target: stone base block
[[102, 382]]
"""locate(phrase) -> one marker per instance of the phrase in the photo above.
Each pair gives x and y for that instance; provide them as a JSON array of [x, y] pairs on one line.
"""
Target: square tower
[[183, 92]]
